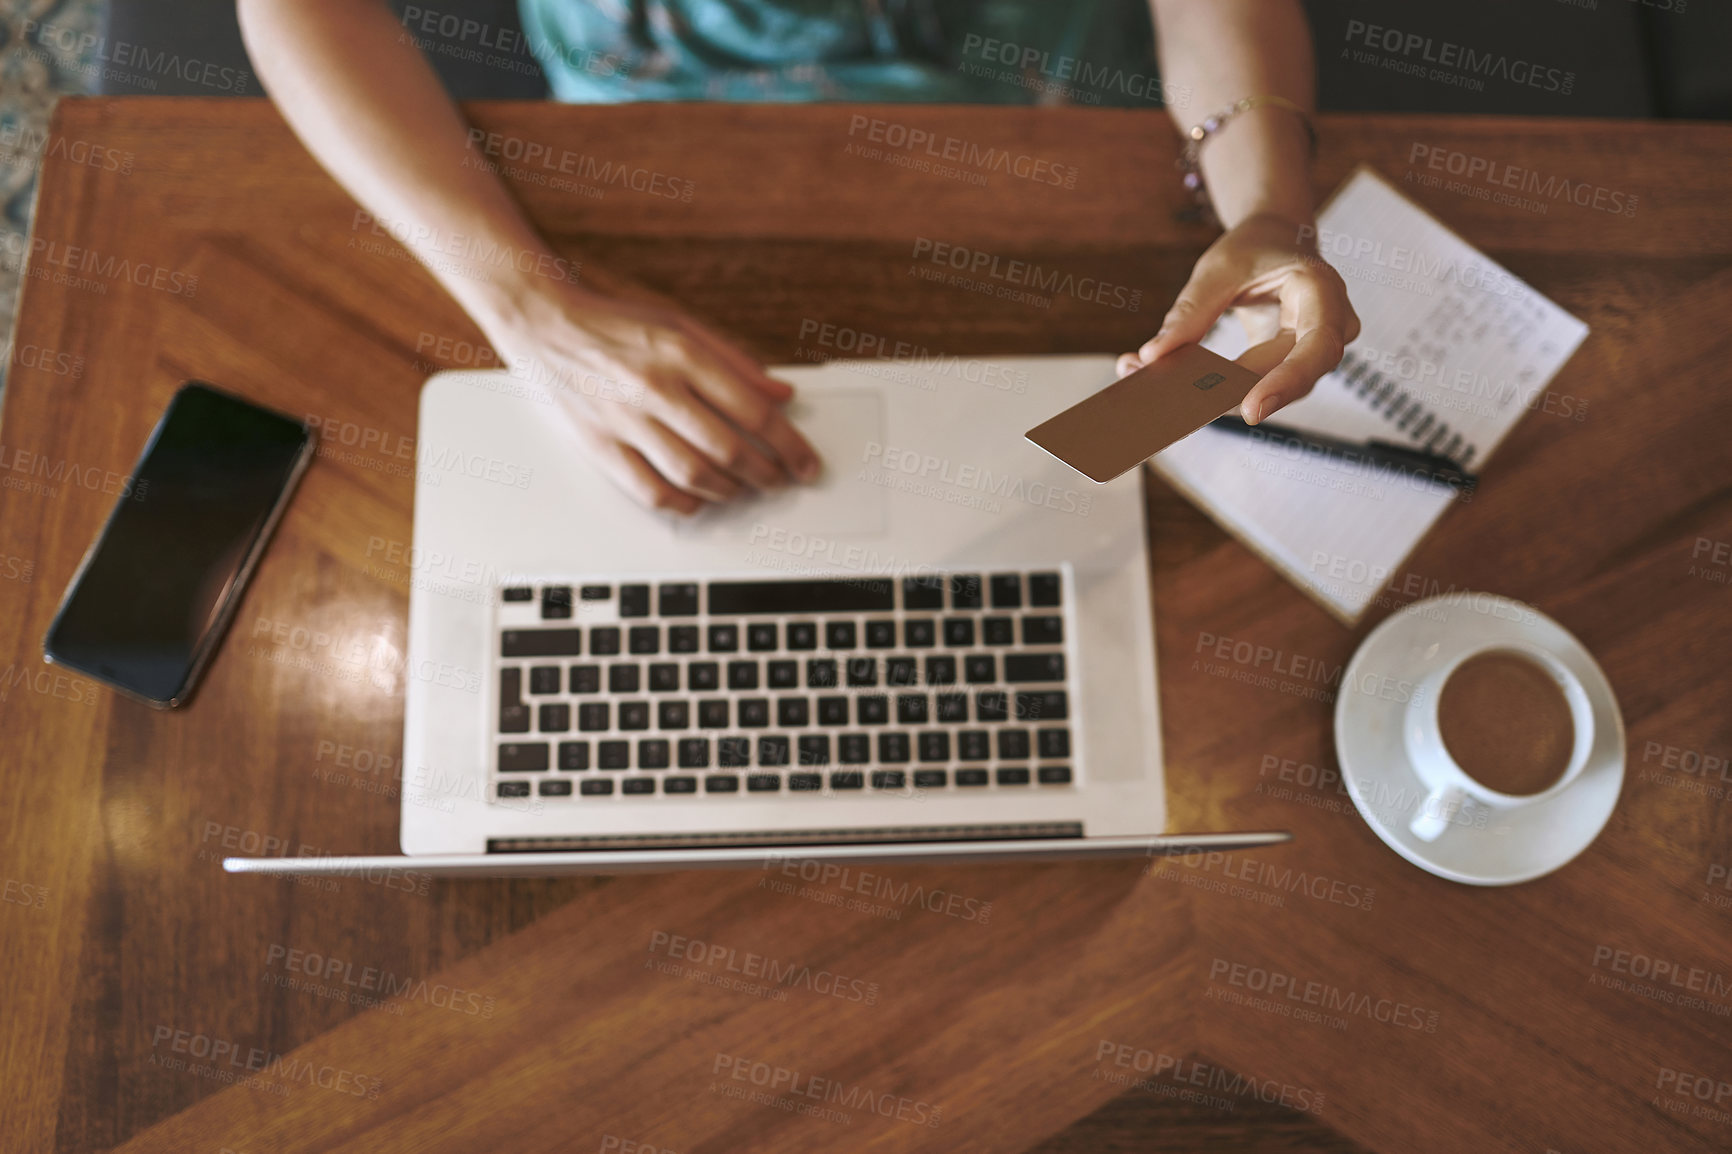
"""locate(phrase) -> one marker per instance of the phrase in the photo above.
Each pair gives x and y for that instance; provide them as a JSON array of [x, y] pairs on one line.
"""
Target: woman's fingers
[[687, 416], [1215, 283], [736, 358], [753, 413], [1323, 322], [628, 469], [678, 462]]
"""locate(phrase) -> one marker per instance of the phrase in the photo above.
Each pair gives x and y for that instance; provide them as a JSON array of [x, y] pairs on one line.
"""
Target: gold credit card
[[1136, 417]]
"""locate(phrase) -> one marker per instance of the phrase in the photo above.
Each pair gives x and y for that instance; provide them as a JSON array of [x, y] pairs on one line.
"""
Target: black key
[[832, 711], [1043, 589], [523, 757], [763, 783], [673, 715], [694, 753], [1013, 776], [899, 672], [783, 674], [680, 785], [634, 601], [595, 787], [586, 679], [733, 752], [941, 671], [544, 679], [638, 785], [1006, 591], [821, 673], [793, 712], [973, 745], [1012, 744], [853, 748], [923, 592], [880, 634], [596, 592], [919, 632], [762, 637], [754, 712], [930, 778], [815, 749], [724, 638], [911, 709], [872, 709], [677, 600], [1054, 774], [958, 631], [805, 782], [847, 779], [802, 635], [980, 668], [644, 639], [574, 755], [748, 597], [664, 677], [592, 716], [634, 715], [683, 639], [513, 714], [892, 747], [604, 641], [520, 593], [556, 788], [702, 675], [953, 707], [555, 717], [742, 675], [613, 755], [773, 750], [1043, 630], [541, 643], [934, 745], [722, 784], [883, 779], [862, 671], [965, 592], [555, 602], [840, 635], [1054, 742], [1050, 706], [622, 679], [971, 777], [998, 631], [652, 753], [1033, 667], [515, 788], [992, 705]]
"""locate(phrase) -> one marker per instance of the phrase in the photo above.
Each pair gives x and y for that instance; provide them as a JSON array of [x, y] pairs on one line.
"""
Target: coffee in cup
[[1506, 722]]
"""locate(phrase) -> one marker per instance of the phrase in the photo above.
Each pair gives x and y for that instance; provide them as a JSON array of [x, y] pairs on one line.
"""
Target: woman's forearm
[[1220, 51], [361, 98]]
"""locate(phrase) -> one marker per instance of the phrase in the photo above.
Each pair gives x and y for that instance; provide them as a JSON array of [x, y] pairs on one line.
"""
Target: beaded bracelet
[[1189, 161]]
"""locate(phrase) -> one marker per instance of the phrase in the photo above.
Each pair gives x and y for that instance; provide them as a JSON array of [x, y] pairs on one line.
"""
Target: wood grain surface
[[152, 1003]]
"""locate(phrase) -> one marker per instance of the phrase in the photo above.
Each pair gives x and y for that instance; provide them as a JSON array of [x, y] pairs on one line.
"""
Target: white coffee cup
[[1450, 786]]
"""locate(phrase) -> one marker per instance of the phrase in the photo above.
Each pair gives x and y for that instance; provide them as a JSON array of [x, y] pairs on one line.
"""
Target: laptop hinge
[[1008, 831]]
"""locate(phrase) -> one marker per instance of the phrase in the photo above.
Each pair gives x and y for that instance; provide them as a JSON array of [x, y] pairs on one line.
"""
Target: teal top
[[1085, 52]]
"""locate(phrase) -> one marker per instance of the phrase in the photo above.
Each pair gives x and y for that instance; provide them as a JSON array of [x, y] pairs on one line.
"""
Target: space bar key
[[855, 595]]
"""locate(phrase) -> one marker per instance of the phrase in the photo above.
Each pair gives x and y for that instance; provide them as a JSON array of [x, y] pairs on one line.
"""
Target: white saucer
[[1484, 847]]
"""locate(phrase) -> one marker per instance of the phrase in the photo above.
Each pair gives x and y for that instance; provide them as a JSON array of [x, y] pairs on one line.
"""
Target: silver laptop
[[942, 651]]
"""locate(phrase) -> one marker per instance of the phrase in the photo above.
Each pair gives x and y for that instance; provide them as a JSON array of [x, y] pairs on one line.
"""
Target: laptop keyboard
[[845, 687]]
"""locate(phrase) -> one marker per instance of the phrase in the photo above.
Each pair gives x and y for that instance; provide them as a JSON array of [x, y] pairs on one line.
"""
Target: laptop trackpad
[[842, 425]]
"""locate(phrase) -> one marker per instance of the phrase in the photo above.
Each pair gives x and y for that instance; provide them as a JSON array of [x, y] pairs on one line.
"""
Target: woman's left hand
[[1268, 261]]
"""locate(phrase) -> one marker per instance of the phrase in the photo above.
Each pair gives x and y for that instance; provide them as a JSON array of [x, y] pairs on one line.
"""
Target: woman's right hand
[[674, 413]]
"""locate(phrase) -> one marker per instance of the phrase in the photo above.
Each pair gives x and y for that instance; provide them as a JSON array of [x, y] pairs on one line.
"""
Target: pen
[[1381, 454]]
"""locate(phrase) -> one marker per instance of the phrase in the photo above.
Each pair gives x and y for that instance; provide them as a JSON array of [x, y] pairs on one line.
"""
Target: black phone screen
[[169, 563]]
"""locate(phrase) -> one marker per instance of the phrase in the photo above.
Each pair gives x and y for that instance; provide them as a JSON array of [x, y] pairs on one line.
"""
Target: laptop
[[941, 651]]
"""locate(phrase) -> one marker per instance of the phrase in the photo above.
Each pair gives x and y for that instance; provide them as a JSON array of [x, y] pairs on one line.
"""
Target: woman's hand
[[673, 413], [1265, 260]]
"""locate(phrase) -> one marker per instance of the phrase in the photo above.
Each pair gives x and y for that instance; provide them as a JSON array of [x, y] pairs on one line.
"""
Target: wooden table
[[142, 988]]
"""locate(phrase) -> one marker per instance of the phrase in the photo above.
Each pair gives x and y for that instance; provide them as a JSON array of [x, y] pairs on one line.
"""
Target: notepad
[[1452, 350]]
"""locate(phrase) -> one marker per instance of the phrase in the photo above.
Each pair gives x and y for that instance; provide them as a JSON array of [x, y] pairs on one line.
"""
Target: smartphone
[[152, 597]]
